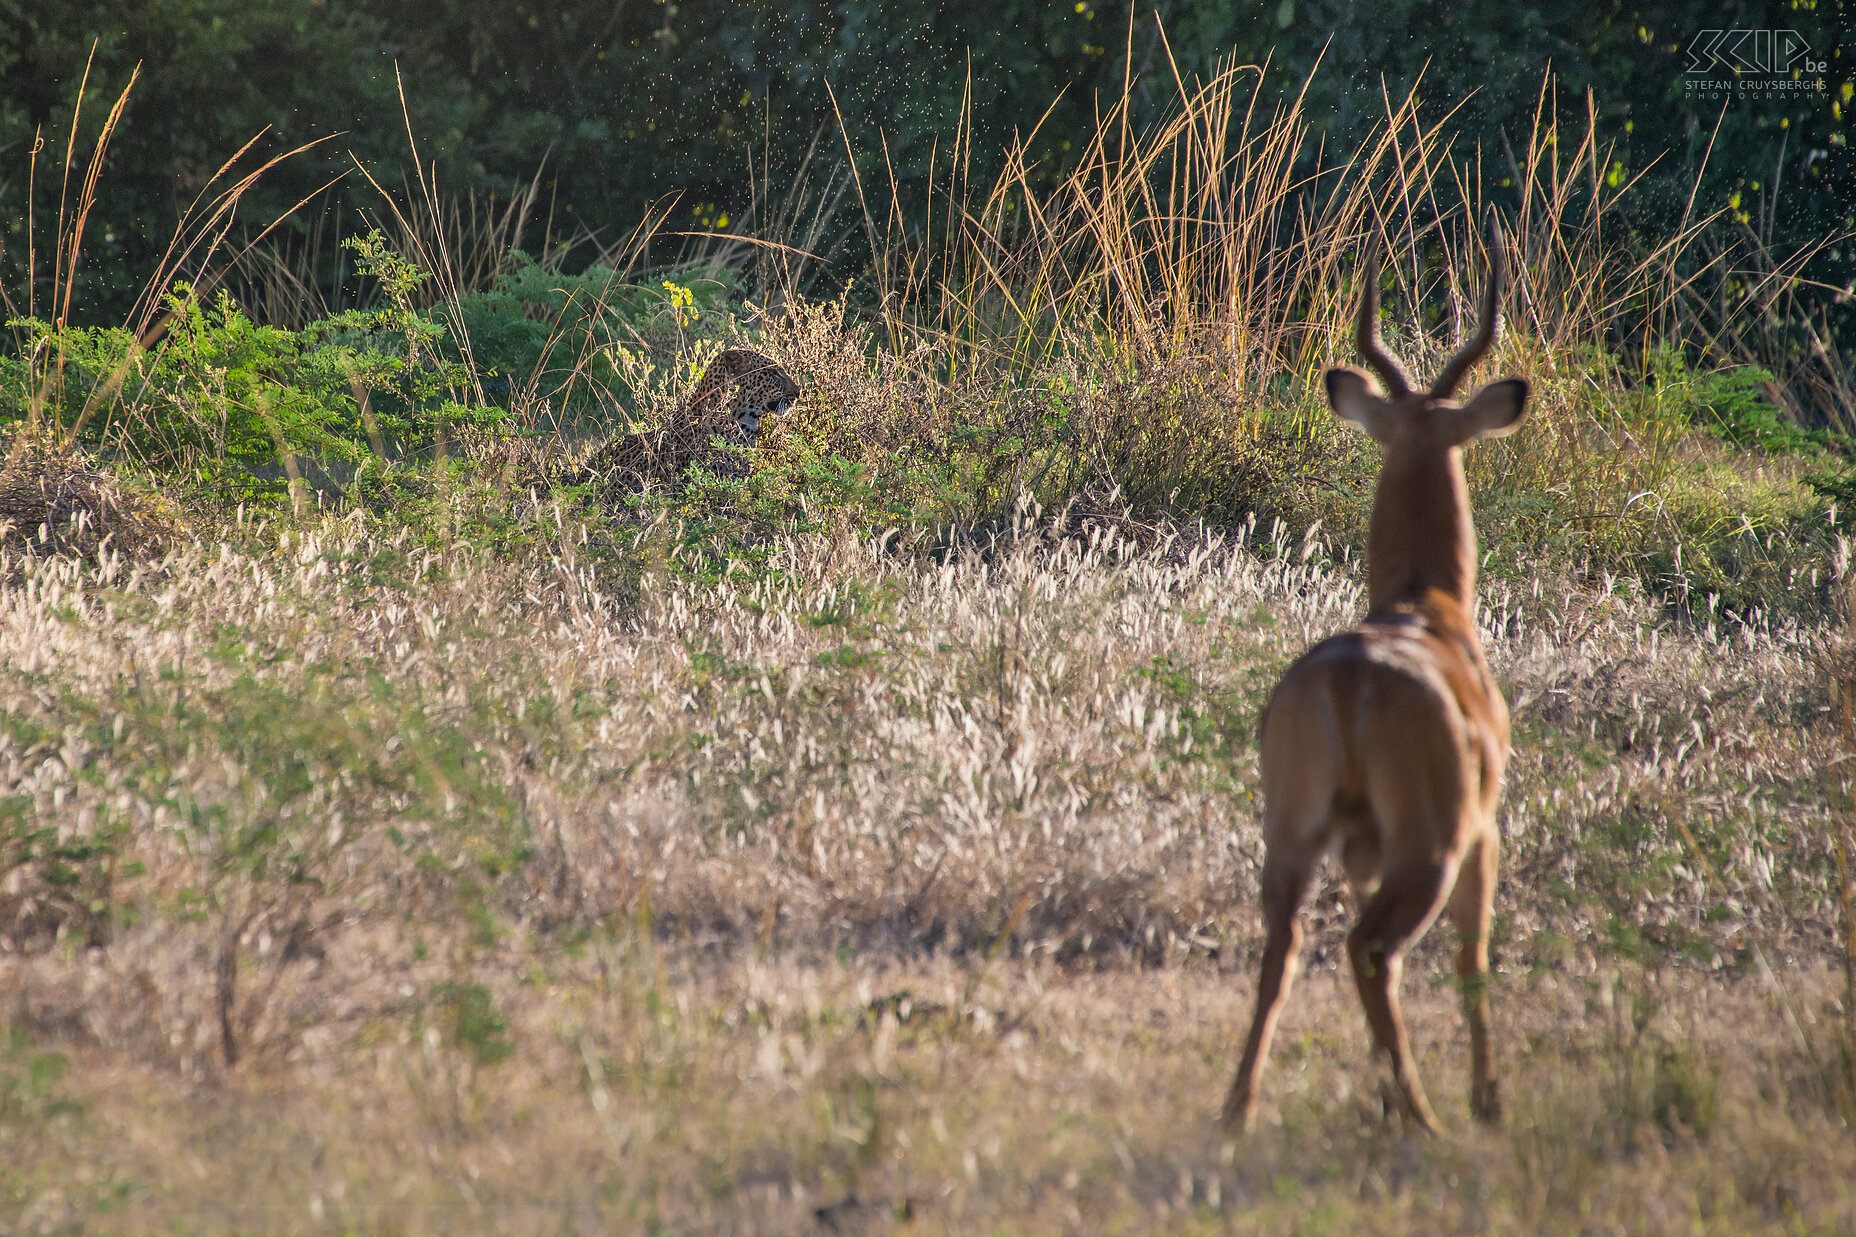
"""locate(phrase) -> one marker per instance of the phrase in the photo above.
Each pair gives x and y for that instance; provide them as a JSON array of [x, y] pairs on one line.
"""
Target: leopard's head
[[762, 390]]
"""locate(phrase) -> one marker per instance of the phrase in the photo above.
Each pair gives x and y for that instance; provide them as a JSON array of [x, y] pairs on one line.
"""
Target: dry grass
[[926, 879], [659, 1090], [1154, 323], [55, 501]]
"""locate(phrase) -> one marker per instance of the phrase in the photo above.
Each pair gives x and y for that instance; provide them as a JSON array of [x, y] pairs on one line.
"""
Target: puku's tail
[[1349, 708]]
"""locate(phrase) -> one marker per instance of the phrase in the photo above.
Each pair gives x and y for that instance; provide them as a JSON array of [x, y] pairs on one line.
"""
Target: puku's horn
[[1366, 330]]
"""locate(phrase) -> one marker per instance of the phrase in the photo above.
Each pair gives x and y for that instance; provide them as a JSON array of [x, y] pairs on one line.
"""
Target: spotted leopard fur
[[739, 390]]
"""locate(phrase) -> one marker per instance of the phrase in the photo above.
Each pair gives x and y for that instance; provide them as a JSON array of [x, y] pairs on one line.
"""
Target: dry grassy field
[[879, 886]]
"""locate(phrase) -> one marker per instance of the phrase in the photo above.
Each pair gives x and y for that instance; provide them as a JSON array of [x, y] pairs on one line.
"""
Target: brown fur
[[631, 461], [1387, 742]]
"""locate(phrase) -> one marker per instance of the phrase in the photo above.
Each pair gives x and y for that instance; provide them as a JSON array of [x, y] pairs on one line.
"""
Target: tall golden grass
[[1149, 325]]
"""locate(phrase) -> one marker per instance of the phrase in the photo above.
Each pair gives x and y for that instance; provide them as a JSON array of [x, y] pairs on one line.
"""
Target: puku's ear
[[1496, 409], [1356, 398]]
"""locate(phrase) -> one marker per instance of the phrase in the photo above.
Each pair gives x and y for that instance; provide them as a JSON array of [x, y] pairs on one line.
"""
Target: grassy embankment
[[865, 844]]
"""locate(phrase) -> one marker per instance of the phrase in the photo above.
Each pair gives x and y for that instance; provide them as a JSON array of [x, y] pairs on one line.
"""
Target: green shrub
[[542, 334], [1735, 404], [402, 360], [218, 396], [222, 401]]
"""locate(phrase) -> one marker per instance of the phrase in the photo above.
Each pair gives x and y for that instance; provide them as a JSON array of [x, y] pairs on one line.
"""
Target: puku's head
[[1400, 417]]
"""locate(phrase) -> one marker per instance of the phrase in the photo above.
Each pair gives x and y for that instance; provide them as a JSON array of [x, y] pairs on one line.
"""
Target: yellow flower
[[682, 302]]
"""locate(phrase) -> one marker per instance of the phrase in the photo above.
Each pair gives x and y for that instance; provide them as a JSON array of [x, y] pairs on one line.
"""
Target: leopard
[[760, 390]]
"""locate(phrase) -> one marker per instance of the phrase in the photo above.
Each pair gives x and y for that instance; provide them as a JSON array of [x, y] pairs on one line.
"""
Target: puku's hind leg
[[1284, 882], [1409, 897], [1472, 907]]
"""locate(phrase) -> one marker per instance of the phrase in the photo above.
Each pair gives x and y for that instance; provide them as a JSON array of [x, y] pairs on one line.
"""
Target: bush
[[222, 402], [544, 335], [219, 397], [1736, 405]]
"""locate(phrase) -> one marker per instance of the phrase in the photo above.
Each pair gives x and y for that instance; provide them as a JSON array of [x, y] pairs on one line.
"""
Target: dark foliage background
[[626, 102]]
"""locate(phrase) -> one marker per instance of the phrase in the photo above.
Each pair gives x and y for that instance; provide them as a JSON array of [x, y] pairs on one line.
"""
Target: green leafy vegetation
[[220, 402]]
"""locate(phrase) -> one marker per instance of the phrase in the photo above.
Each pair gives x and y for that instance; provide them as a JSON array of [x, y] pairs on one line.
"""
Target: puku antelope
[[1387, 741]]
